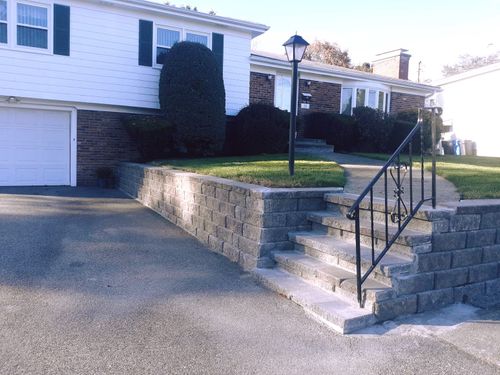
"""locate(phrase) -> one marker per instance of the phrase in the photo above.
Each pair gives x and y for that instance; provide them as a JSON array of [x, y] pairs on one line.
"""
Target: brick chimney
[[392, 64]]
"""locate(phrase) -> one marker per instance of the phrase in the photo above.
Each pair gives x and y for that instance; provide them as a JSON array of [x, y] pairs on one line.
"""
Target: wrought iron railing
[[402, 211]]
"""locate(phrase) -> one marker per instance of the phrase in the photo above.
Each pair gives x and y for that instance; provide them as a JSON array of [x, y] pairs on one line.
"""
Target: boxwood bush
[[192, 98], [258, 129]]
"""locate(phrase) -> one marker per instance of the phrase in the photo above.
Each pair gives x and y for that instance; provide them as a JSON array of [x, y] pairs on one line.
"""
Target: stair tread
[[322, 217], [340, 274], [329, 242], [339, 313]]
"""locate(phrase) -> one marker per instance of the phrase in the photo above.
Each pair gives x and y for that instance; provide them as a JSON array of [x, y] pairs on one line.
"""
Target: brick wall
[[402, 102], [261, 88], [240, 221], [102, 142], [325, 96]]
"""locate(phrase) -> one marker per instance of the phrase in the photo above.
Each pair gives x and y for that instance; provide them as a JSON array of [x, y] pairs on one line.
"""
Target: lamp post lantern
[[295, 48]]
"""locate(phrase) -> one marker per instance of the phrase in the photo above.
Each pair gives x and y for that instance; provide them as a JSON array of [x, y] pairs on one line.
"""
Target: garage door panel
[[34, 147]]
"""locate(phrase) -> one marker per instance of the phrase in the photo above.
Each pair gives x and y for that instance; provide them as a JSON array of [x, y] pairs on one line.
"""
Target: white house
[[72, 68], [469, 105]]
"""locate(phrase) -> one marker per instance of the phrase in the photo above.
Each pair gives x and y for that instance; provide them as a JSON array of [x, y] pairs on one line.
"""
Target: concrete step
[[331, 277], [310, 142], [335, 251], [336, 224], [332, 310], [425, 213]]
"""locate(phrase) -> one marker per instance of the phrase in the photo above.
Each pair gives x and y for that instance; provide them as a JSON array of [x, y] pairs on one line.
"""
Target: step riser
[[350, 237], [379, 217], [343, 261]]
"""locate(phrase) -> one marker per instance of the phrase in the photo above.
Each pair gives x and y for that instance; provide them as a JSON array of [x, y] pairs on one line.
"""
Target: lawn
[[476, 177], [265, 170]]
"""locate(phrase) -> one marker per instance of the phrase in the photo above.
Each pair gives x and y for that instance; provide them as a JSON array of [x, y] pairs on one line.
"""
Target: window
[[373, 98], [165, 40], [346, 102], [32, 26], [3, 21], [197, 38]]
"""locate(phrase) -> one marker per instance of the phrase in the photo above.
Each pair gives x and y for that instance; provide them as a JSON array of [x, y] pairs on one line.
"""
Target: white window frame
[[367, 88], [6, 22], [182, 32], [49, 27]]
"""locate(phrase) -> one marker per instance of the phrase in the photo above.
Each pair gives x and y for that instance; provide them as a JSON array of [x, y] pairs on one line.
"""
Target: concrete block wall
[[243, 222], [463, 263]]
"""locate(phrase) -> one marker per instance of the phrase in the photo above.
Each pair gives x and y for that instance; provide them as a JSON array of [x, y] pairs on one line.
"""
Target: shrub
[[338, 130], [153, 136], [258, 129], [192, 97], [374, 130], [405, 121]]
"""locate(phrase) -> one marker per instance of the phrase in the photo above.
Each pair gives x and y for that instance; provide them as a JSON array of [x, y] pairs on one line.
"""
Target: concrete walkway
[[359, 172], [91, 282]]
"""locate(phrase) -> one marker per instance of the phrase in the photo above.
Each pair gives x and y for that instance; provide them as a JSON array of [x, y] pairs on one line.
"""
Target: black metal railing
[[402, 212]]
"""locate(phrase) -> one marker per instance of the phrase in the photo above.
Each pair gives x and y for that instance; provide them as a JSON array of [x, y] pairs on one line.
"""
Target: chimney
[[392, 64]]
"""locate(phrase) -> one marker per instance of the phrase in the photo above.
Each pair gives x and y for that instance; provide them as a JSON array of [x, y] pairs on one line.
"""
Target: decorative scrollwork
[[398, 215]]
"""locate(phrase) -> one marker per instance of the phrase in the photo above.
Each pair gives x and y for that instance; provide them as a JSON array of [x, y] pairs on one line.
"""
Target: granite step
[[338, 313], [331, 277], [335, 251]]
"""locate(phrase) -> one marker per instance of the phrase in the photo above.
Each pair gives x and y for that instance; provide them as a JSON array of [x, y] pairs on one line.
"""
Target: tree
[[365, 67], [328, 53], [467, 62], [192, 98]]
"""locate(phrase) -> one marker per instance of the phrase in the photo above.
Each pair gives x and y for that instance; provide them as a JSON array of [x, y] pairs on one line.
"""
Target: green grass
[[476, 177], [265, 170]]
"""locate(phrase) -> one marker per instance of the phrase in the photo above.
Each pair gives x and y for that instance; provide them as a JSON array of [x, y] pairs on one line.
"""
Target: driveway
[[93, 283]]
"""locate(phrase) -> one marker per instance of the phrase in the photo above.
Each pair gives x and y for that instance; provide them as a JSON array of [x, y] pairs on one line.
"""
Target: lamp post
[[295, 48]]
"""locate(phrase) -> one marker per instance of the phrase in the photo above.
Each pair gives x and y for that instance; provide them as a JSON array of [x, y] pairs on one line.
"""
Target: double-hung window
[[165, 39], [3, 21], [197, 38], [32, 26]]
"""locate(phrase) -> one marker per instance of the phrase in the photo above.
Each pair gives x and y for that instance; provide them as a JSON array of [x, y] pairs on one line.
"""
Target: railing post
[[433, 132], [358, 256]]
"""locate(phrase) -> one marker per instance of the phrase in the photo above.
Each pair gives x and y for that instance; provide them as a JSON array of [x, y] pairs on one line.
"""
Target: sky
[[435, 32]]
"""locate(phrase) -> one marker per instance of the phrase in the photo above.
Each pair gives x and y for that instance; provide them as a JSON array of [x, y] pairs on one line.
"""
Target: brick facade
[[102, 142], [261, 88], [402, 102], [325, 96]]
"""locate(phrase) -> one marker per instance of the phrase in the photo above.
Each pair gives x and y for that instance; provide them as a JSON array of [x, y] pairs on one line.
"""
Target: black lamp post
[[295, 48]]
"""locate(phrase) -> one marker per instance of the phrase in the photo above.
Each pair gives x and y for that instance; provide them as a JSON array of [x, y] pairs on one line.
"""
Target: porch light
[[295, 48]]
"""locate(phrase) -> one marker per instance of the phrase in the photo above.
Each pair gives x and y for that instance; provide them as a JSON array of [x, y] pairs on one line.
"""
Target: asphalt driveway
[[93, 283]]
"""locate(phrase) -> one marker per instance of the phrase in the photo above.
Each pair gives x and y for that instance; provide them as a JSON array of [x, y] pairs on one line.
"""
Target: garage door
[[34, 147]]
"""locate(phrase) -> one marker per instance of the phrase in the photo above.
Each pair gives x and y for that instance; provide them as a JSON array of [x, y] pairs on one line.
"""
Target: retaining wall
[[243, 222]]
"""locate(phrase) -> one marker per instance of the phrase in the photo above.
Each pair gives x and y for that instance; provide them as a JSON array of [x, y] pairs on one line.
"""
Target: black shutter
[[61, 29], [145, 43], [218, 49]]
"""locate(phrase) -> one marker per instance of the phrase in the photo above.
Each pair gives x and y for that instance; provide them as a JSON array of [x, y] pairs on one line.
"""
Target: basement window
[[3, 21], [32, 26]]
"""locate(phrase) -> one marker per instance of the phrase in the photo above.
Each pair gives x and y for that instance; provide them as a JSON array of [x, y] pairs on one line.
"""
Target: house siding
[[102, 141], [103, 66], [261, 88], [403, 102]]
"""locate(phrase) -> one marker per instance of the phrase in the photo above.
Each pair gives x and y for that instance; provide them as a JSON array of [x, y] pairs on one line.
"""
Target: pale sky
[[435, 32]]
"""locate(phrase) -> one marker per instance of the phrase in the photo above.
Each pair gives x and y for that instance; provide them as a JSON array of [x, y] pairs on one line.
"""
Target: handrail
[[400, 214]]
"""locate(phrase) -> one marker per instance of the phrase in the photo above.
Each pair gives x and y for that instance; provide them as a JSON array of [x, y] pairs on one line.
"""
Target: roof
[[255, 28], [275, 60], [469, 74]]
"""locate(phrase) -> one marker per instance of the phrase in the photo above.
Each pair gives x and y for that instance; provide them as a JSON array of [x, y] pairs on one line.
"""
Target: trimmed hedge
[[258, 129], [338, 130], [192, 98], [153, 136]]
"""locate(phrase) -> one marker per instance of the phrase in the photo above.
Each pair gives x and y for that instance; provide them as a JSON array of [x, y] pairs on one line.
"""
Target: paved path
[[91, 282], [360, 171]]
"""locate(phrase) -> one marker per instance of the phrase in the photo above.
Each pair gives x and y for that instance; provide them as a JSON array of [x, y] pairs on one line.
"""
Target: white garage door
[[34, 147]]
